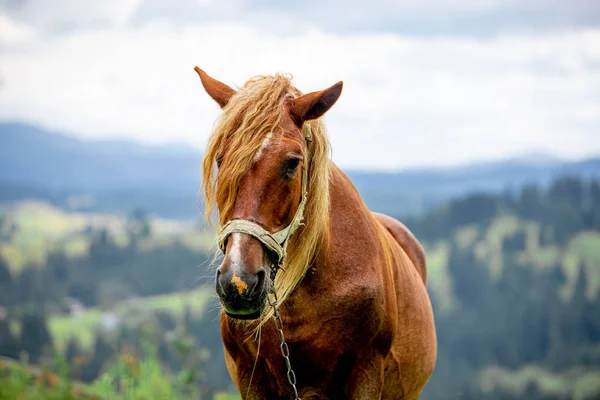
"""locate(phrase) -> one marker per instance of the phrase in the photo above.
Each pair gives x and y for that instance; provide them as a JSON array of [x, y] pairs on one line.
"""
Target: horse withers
[[350, 283]]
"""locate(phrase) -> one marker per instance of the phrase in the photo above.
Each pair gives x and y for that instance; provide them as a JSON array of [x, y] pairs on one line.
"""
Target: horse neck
[[348, 215]]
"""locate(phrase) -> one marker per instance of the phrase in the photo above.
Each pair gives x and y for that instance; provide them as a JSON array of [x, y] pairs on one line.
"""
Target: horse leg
[[251, 386], [366, 379], [254, 387]]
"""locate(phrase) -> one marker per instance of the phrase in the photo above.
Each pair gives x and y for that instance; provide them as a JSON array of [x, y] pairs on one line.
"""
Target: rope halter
[[275, 242]]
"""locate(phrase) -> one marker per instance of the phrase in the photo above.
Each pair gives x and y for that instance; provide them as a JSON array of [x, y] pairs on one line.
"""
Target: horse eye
[[290, 166]]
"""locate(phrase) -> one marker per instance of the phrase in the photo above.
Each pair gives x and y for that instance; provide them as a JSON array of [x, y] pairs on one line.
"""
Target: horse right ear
[[315, 104], [220, 92]]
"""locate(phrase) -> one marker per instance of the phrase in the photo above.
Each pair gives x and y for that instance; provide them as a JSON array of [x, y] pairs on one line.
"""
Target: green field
[[583, 383], [83, 327], [40, 228]]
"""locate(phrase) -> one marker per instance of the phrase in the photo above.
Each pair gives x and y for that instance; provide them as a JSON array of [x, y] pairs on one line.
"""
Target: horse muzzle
[[243, 296]]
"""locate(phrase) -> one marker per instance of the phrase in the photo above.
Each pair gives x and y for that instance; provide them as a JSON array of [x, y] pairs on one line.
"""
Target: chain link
[[285, 350]]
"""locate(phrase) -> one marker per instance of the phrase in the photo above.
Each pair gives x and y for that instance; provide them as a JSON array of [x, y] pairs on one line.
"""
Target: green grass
[[76, 247], [84, 326], [40, 229], [227, 396], [532, 237], [583, 250], [499, 229], [534, 254], [203, 241], [488, 249], [466, 236], [19, 380], [127, 379], [43, 228], [502, 227], [544, 257], [175, 303], [38, 221], [438, 280], [587, 387], [577, 383]]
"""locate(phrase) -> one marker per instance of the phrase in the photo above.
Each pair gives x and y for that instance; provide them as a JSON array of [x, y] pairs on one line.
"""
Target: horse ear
[[315, 104], [220, 92]]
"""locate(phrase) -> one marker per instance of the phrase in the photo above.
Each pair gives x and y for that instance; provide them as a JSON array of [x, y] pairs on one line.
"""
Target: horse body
[[369, 332], [352, 298]]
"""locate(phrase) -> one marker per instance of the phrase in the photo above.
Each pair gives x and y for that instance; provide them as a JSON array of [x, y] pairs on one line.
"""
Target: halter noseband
[[276, 242]]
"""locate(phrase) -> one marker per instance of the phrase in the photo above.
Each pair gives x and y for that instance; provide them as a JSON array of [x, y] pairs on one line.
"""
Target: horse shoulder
[[409, 243]]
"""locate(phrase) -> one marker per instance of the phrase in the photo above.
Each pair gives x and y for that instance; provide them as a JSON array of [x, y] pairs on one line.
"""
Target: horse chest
[[314, 358], [323, 341], [351, 317], [325, 328]]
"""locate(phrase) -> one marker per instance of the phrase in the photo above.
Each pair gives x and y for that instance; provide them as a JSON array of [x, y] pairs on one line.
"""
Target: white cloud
[[407, 101], [426, 7], [14, 34], [68, 14], [421, 17]]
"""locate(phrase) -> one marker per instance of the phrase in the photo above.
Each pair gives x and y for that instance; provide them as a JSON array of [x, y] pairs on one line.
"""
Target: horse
[[346, 286]]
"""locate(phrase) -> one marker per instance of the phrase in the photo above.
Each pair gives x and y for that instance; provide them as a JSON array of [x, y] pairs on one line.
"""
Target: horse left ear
[[315, 104], [220, 92]]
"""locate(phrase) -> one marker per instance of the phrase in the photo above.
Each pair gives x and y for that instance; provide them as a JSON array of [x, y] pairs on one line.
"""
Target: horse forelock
[[248, 119]]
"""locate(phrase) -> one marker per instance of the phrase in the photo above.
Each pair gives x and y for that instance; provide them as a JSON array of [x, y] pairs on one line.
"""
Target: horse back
[[407, 241]]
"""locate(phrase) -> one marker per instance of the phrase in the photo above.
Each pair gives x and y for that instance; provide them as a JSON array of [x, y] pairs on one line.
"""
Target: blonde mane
[[255, 110]]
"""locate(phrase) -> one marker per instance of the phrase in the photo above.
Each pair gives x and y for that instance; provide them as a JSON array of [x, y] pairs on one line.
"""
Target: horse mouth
[[244, 315], [244, 309]]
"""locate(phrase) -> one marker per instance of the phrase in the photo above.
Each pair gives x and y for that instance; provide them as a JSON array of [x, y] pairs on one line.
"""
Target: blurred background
[[476, 122]]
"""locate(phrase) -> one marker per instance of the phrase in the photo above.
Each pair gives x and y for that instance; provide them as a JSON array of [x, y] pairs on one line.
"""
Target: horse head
[[256, 174]]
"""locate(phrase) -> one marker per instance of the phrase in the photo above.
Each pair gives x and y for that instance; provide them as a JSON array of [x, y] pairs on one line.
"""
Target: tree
[[568, 191], [5, 275], [574, 317], [531, 204], [140, 227], [594, 212], [515, 243], [5, 283], [35, 336], [103, 250], [102, 353], [57, 265], [9, 346], [29, 286], [470, 278], [73, 350]]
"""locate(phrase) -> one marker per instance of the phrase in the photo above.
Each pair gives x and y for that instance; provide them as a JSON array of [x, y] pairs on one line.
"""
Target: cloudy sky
[[426, 82]]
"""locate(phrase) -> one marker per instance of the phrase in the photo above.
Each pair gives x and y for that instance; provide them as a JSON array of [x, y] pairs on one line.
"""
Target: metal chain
[[285, 350]]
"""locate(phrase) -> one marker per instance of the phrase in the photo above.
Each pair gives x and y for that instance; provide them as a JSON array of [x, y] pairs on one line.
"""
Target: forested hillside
[[515, 282], [514, 279]]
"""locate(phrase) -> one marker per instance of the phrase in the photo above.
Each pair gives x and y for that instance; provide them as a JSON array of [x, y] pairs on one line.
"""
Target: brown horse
[[351, 287]]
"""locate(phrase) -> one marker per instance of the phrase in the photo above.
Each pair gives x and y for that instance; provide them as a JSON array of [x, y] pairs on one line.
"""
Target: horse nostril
[[219, 283], [261, 275]]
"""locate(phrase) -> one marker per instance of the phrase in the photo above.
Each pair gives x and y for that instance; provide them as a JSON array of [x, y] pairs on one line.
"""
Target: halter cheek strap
[[275, 242]]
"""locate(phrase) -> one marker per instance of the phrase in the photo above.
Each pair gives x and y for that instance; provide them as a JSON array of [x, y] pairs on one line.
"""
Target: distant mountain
[[165, 179], [30, 155], [419, 189]]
